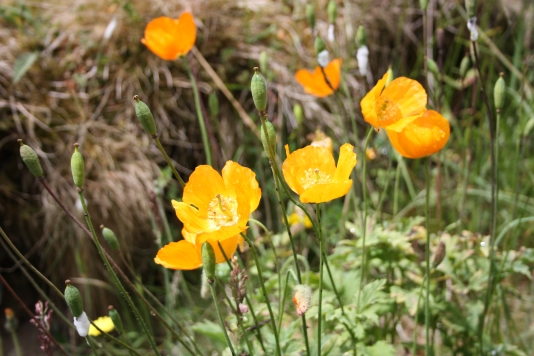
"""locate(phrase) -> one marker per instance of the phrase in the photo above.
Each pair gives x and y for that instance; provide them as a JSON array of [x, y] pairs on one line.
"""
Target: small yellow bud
[[145, 116], [73, 299], [259, 90], [30, 158], [77, 167]]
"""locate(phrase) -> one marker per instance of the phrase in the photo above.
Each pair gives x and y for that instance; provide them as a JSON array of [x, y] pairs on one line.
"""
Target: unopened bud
[[213, 104], [264, 58], [498, 92], [77, 167], [298, 113], [208, 261], [471, 7], [110, 237], [432, 66], [361, 37], [310, 15], [323, 58], [362, 57], [332, 11], [319, 45], [439, 254], [116, 319], [30, 158], [268, 139], [259, 90], [391, 76], [423, 4], [302, 298], [145, 116], [73, 299], [464, 65], [243, 308]]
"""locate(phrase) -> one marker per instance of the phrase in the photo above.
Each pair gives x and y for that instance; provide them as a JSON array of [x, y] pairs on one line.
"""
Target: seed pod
[[116, 319], [269, 140], [73, 299], [264, 58], [145, 116], [213, 103], [310, 15], [471, 7], [208, 261], [432, 66], [77, 167], [361, 37], [390, 77], [498, 92], [423, 4], [464, 65], [31, 160], [298, 112], [110, 238], [259, 90], [332, 11], [319, 45]]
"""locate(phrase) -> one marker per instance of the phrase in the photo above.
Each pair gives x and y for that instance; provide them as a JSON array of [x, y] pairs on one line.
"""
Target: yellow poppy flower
[[104, 323], [170, 38], [311, 172], [314, 82]]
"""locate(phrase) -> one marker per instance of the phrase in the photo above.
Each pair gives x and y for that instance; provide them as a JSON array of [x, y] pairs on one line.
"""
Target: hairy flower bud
[[259, 90], [319, 45], [432, 66], [471, 7], [77, 167], [498, 92], [213, 104], [298, 113], [73, 299], [302, 295], [264, 60], [268, 139], [29, 157], [361, 37], [332, 11], [110, 237], [116, 319], [145, 116], [208, 260]]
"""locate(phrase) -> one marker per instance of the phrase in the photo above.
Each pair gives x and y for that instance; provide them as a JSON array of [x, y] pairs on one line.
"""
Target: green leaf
[[211, 330], [381, 348], [23, 64]]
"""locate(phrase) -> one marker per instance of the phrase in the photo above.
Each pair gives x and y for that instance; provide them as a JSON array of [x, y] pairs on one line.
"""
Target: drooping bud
[[319, 45], [208, 261], [110, 237], [332, 11], [323, 58], [439, 254], [264, 58], [298, 113], [213, 104], [361, 37], [268, 140], [30, 158], [391, 76], [432, 66], [302, 295], [116, 319], [259, 90], [73, 299], [471, 7], [145, 116], [498, 92], [310, 15], [77, 167], [423, 4], [464, 65]]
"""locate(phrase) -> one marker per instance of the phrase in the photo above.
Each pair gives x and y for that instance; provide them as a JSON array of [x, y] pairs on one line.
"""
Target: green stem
[[265, 295], [92, 344], [221, 320], [321, 258], [427, 258], [414, 343], [168, 160], [200, 116], [114, 276], [16, 343]]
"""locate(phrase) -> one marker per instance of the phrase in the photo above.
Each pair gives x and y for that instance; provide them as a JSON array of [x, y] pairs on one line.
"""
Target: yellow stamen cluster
[[223, 211], [313, 177]]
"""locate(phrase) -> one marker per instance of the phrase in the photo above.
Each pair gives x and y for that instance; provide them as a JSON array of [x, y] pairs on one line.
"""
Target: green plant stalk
[[414, 342], [321, 259], [16, 343], [396, 188], [91, 343], [168, 160], [114, 276], [427, 258], [283, 303], [264, 291], [221, 320], [363, 273], [200, 116]]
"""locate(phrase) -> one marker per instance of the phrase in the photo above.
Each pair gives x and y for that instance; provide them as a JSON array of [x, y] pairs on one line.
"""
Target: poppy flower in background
[[169, 38], [400, 109], [213, 208], [314, 82], [104, 323], [311, 172]]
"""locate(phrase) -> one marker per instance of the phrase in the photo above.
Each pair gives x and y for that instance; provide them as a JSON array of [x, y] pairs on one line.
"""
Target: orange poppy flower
[[169, 38], [311, 172], [400, 108], [314, 83]]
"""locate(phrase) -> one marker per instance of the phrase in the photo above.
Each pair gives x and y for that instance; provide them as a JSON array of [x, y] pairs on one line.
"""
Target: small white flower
[[472, 26], [82, 324], [331, 35], [363, 59], [323, 58]]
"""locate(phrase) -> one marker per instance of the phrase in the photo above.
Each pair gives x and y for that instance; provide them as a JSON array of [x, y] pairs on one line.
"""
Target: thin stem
[[92, 344], [168, 160], [221, 320], [16, 343], [114, 276], [414, 343], [264, 291], [427, 258], [200, 116], [321, 258]]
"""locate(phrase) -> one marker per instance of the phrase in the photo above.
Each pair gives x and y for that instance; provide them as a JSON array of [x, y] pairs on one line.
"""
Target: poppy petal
[[368, 103], [203, 186], [194, 221], [333, 72], [170, 38], [345, 163], [403, 97], [187, 31], [242, 181], [182, 255], [229, 246], [313, 83], [322, 193]]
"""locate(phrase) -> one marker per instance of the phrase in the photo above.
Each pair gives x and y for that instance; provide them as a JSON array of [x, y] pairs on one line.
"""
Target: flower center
[[313, 177], [223, 211], [388, 111]]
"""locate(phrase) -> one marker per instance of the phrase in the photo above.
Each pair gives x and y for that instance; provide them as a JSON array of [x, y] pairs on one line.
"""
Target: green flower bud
[[298, 113], [319, 45], [332, 11], [498, 92], [145, 116], [116, 319], [30, 159], [310, 15], [361, 36], [208, 260], [432, 66], [259, 90], [264, 58], [77, 167], [269, 140], [464, 65], [390, 77], [423, 4], [213, 103], [73, 299], [110, 238], [471, 7]]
